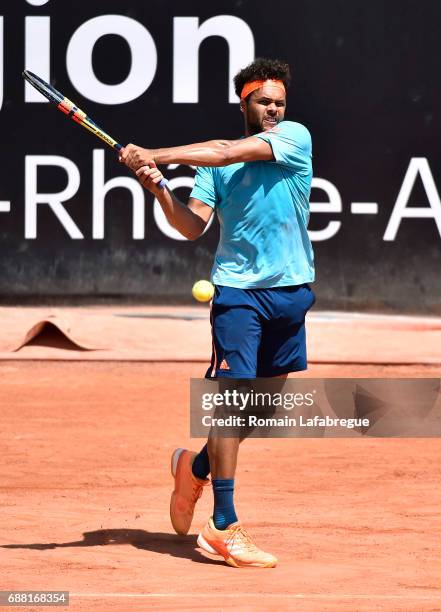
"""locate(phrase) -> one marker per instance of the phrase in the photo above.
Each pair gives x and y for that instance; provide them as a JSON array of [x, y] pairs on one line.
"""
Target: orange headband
[[253, 85]]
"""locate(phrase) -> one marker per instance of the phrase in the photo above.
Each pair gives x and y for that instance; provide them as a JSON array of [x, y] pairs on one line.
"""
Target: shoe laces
[[240, 536], [197, 490]]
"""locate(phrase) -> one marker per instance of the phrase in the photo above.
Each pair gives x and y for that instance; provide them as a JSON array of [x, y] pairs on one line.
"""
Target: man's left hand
[[134, 157]]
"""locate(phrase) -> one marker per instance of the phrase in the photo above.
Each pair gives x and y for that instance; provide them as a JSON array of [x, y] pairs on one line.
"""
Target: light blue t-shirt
[[263, 212]]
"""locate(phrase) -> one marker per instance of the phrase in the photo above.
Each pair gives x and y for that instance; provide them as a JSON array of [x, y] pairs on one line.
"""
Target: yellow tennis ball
[[203, 291]]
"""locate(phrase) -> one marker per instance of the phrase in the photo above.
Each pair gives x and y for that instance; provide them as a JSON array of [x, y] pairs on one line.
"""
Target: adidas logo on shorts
[[224, 365]]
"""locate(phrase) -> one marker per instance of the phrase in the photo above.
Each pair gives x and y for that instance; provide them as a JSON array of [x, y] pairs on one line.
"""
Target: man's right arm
[[189, 220]]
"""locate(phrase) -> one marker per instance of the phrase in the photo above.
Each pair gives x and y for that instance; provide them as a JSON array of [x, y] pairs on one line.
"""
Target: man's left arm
[[210, 153]]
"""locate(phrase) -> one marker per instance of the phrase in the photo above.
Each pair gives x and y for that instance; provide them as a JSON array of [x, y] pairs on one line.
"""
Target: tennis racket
[[71, 110]]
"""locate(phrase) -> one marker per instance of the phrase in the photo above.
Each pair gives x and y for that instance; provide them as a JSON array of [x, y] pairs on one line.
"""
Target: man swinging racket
[[259, 187]]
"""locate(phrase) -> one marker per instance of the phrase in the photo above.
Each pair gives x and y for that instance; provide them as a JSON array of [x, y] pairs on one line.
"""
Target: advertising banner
[[75, 222]]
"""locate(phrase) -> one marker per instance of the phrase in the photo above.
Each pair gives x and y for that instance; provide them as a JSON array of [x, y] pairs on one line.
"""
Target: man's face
[[264, 109]]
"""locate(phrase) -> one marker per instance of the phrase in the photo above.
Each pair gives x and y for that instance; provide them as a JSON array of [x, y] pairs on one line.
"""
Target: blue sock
[[224, 513], [201, 464]]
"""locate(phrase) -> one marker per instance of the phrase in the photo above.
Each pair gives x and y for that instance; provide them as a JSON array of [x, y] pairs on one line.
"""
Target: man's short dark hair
[[262, 69]]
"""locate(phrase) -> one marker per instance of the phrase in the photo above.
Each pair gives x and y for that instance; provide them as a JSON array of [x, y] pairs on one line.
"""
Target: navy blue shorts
[[259, 332]]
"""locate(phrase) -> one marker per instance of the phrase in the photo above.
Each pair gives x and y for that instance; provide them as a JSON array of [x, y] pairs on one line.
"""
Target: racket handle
[[163, 182]]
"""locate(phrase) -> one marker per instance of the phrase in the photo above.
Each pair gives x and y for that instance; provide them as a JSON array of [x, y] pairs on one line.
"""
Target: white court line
[[333, 315], [325, 596]]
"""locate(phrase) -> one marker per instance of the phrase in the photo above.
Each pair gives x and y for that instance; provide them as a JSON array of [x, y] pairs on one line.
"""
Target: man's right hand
[[149, 176]]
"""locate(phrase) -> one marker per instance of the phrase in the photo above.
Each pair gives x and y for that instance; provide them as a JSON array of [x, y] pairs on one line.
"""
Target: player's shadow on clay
[[163, 543]]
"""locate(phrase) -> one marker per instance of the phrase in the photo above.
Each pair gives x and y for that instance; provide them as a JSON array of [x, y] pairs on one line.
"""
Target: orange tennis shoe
[[187, 491], [235, 546]]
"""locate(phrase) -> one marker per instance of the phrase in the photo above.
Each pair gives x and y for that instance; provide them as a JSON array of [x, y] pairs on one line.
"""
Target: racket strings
[[42, 87]]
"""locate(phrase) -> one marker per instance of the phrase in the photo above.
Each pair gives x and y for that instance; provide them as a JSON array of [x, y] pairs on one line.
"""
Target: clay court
[[85, 483]]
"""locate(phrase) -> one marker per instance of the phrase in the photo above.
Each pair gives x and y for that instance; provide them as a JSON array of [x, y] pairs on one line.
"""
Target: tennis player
[[259, 187]]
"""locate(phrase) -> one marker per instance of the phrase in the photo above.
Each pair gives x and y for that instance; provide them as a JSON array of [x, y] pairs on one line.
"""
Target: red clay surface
[[85, 488], [182, 333]]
